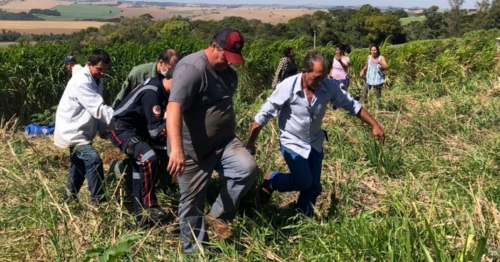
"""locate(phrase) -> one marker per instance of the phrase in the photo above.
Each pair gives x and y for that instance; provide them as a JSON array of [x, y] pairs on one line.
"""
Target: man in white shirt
[[81, 113], [300, 102], [71, 65]]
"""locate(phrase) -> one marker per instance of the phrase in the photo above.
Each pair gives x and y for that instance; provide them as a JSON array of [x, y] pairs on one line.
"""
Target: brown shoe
[[265, 191], [220, 228]]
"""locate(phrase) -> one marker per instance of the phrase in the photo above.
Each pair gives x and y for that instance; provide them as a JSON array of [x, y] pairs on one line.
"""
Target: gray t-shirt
[[206, 96]]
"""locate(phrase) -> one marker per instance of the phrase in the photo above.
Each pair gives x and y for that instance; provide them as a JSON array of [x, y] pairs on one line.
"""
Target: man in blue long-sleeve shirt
[[301, 102]]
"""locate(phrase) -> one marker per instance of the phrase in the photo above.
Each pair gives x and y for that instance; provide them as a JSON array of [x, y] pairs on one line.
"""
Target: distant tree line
[[356, 27], [18, 16], [45, 12]]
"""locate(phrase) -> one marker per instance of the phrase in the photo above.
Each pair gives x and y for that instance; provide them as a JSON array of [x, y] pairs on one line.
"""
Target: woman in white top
[[340, 65], [375, 68]]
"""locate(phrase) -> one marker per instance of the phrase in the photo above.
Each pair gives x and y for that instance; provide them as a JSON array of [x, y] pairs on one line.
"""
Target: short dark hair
[[167, 55], [345, 48], [99, 55], [287, 51], [314, 56]]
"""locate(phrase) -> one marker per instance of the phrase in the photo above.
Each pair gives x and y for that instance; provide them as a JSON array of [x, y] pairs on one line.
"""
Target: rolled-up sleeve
[[274, 103], [342, 99]]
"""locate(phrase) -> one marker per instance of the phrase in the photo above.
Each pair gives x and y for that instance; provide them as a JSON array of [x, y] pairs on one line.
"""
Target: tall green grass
[[430, 193], [32, 78]]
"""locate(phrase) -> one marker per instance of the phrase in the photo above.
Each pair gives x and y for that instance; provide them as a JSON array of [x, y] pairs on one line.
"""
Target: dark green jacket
[[138, 75]]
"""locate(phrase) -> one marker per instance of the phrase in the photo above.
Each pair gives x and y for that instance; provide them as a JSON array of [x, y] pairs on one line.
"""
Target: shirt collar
[[298, 84]]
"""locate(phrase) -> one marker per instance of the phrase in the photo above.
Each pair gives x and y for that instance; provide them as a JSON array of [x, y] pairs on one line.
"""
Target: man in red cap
[[201, 127]]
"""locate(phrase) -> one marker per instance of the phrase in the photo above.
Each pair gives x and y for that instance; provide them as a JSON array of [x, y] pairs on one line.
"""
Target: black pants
[[144, 163]]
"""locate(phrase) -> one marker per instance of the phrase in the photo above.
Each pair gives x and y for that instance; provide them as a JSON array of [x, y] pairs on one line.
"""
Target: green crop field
[[77, 11], [429, 193], [407, 20]]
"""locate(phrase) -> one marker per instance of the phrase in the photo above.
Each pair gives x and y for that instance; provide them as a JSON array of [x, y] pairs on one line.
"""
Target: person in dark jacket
[[137, 127]]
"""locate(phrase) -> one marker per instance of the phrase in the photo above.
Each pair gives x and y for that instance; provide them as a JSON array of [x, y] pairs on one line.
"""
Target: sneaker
[[265, 191], [151, 217], [69, 198], [156, 214], [220, 228], [110, 175]]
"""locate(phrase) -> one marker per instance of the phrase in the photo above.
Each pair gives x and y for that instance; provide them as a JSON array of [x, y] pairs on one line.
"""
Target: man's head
[[166, 62], [98, 63], [225, 49], [314, 70], [69, 62], [288, 52]]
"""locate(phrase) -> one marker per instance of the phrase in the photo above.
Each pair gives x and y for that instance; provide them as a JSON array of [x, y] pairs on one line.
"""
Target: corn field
[[33, 78]]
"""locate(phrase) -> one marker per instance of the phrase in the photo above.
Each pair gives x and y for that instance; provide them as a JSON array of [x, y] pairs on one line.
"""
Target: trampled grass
[[430, 193]]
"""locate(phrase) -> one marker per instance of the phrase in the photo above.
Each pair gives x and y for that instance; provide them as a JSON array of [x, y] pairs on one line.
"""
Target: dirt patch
[[26, 6], [55, 27], [266, 15]]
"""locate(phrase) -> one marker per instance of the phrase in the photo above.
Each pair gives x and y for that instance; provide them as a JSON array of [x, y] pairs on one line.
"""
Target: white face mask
[[164, 72]]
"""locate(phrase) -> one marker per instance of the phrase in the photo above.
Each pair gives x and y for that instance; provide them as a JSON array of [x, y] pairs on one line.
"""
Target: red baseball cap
[[232, 43]]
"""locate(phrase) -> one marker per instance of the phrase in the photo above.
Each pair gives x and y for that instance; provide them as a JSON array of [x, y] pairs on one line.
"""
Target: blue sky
[[396, 3]]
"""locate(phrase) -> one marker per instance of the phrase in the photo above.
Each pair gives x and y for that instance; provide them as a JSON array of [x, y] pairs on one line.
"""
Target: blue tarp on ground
[[39, 130]]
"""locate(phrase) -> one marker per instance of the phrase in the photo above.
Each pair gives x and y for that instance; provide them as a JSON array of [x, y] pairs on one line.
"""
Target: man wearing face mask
[[162, 67], [137, 128], [300, 102], [166, 61]]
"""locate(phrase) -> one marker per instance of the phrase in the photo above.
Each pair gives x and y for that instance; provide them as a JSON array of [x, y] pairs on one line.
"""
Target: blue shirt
[[300, 122]]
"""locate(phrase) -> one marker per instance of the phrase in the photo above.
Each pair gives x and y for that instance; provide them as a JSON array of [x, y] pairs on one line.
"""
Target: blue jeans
[[86, 162], [304, 176]]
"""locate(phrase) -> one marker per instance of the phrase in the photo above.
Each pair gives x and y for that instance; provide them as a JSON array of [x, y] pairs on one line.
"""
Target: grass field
[[82, 11], [429, 194], [407, 20]]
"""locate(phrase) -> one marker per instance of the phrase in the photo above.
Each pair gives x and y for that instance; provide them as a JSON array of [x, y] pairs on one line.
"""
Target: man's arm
[[269, 109], [93, 102], [177, 159], [377, 131], [254, 133], [127, 86]]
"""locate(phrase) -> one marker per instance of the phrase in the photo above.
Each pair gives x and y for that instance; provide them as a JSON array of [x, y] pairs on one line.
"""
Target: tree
[[494, 14], [435, 22], [482, 17], [380, 27], [399, 13], [454, 15], [415, 30]]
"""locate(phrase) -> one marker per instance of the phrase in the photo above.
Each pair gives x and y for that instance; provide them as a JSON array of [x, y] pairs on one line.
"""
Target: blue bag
[[39, 130]]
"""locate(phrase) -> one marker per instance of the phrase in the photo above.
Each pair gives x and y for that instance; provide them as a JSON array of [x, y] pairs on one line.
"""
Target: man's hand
[[103, 135], [251, 148], [378, 133], [176, 163]]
